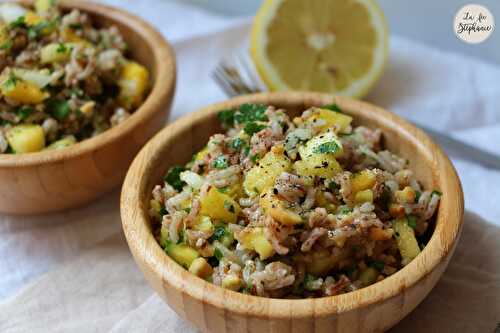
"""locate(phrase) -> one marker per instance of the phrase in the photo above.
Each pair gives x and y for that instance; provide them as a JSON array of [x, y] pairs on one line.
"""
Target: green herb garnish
[[412, 221], [220, 162], [332, 107], [6, 45], [327, 147], [252, 128], [59, 109], [237, 144], [18, 23], [218, 254], [61, 48], [245, 113], [436, 192], [173, 177], [378, 265], [24, 112]]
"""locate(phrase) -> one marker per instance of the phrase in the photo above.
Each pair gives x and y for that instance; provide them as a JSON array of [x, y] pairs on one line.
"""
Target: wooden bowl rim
[[135, 222], [164, 84]]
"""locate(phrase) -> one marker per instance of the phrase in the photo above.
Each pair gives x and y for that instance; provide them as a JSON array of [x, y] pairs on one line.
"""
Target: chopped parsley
[[173, 177], [219, 232], [38, 29], [237, 144], [412, 221], [163, 211], [218, 254], [24, 112], [332, 107], [226, 117], [11, 81], [417, 195], [76, 26], [6, 45], [244, 114], [61, 48], [436, 192], [333, 185], [220, 162], [255, 158], [327, 147], [345, 210], [18, 23], [223, 189], [59, 109], [253, 127]]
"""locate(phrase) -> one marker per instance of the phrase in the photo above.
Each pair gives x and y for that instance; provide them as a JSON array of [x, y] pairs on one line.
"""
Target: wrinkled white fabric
[[72, 271]]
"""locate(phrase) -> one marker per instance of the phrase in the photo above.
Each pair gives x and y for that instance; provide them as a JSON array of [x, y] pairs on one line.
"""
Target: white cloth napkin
[[72, 271]]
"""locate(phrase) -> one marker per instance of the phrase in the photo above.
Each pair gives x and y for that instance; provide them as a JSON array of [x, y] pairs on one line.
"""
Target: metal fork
[[237, 76]]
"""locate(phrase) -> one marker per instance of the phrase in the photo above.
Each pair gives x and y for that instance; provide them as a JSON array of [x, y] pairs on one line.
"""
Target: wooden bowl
[[54, 180], [213, 309]]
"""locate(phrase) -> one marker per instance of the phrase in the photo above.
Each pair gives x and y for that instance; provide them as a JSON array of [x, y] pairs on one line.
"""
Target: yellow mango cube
[[320, 165], [55, 52], [200, 267], [26, 138], [257, 241], [340, 122], [275, 207], [262, 176], [133, 83], [22, 91], [182, 254], [405, 239], [363, 180], [219, 206], [363, 196]]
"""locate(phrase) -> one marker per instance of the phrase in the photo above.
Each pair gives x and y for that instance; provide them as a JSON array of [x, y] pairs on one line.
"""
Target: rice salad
[[62, 78], [300, 208]]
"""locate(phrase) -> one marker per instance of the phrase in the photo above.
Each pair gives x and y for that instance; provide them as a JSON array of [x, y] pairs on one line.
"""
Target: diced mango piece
[[133, 83], [231, 282], [42, 6], [320, 165], [62, 143], [363, 196], [219, 206], [26, 138], [406, 195], [256, 240], [262, 176], [336, 120], [200, 267], [22, 92], [203, 223], [405, 238], [363, 180], [182, 254], [201, 154], [32, 19], [55, 52], [275, 207]]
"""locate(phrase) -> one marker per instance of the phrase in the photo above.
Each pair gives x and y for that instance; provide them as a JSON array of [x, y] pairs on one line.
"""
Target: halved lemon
[[334, 46]]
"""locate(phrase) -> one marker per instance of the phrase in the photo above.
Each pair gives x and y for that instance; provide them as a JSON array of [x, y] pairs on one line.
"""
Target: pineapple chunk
[[32, 19], [406, 195], [275, 207], [363, 180], [220, 206], [321, 165], [42, 6], [231, 282], [69, 36], [368, 276], [62, 143], [405, 238], [56, 52], [263, 175], [340, 122], [200, 267], [26, 138], [203, 223], [133, 84], [363, 196], [183, 254], [201, 154], [256, 240], [22, 91]]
